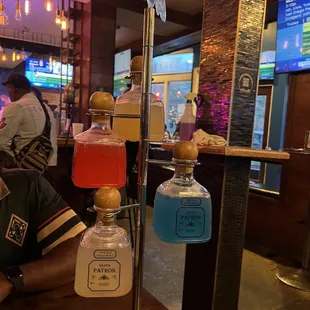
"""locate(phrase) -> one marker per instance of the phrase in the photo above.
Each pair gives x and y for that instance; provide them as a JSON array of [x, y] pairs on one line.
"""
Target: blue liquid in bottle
[[182, 220]]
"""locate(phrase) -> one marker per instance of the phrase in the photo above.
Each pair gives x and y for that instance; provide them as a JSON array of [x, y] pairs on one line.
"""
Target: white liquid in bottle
[[104, 259]]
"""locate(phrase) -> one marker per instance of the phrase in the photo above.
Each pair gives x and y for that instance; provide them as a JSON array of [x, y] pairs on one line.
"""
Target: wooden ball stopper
[[185, 150], [101, 101], [107, 199], [136, 64]]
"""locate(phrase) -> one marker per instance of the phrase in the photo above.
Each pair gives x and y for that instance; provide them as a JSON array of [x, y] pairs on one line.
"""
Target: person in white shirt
[[23, 119]]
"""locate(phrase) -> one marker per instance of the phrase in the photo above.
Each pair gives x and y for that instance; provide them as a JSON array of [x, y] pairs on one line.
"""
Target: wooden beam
[[138, 6]]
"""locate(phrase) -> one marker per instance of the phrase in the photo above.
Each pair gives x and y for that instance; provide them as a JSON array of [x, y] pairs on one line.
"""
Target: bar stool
[[298, 278]]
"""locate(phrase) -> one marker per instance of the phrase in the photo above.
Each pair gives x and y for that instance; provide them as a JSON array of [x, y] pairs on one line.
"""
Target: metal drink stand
[[148, 39]]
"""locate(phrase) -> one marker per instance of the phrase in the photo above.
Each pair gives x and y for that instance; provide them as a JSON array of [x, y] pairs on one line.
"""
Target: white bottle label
[[104, 275]]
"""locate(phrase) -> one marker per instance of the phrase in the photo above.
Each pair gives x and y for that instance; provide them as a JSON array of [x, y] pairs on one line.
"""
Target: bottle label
[[195, 202], [102, 254], [190, 222], [104, 275]]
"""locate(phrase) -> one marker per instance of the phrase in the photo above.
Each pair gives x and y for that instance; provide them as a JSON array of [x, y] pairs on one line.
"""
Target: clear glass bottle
[[104, 259], [99, 154], [130, 103], [187, 122], [182, 208]]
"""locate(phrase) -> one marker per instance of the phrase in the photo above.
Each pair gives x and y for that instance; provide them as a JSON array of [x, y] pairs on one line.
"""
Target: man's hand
[[5, 287]]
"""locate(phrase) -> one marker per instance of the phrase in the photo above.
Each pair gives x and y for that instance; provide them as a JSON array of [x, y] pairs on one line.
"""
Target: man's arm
[[58, 229], [55, 269], [12, 118]]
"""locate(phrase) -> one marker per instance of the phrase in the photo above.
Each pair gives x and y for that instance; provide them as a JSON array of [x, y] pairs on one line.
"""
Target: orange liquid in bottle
[[96, 165]]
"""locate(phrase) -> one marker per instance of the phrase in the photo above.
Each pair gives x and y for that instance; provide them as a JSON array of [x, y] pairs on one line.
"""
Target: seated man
[[38, 243]]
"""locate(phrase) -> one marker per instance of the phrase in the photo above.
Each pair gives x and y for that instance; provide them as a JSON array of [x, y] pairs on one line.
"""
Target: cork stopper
[[107, 200], [185, 150], [101, 101], [136, 64]]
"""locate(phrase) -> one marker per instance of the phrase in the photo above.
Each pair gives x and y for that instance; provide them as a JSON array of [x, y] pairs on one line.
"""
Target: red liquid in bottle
[[96, 165]]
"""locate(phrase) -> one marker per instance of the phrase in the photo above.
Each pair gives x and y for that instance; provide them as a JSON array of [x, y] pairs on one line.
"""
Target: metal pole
[[148, 43]]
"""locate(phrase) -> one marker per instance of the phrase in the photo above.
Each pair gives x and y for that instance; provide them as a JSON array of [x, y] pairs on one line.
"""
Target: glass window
[[174, 63], [158, 90], [176, 102]]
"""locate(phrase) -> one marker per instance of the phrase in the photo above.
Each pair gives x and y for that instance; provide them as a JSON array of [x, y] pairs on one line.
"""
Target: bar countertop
[[236, 151], [65, 298]]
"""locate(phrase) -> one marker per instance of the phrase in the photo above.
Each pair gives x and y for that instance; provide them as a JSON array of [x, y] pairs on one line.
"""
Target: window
[[261, 130], [176, 102], [173, 63]]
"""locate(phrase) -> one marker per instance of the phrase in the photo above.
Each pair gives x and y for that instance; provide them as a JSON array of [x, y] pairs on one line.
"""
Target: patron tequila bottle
[[104, 259], [99, 154], [130, 103], [182, 209]]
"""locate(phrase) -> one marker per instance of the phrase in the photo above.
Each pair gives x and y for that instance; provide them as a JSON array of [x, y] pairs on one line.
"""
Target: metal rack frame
[[148, 43]]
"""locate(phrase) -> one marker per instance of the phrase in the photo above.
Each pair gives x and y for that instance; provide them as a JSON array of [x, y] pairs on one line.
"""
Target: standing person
[[23, 120], [38, 94]]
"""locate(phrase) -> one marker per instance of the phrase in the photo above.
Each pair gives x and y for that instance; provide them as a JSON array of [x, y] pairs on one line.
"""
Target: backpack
[[38, 152]]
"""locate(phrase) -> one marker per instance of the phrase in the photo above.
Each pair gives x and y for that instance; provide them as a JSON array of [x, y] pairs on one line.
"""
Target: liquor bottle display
[[130, 103], [104, 259], [182, 208], [99, 154], [188, 120]]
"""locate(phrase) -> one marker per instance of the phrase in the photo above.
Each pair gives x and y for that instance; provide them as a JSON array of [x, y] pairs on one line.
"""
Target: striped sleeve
[[56, 221]]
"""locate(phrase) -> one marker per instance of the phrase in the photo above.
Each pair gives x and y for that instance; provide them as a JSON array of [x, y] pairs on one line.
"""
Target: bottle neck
[[136, 82], [183, 175], [101, 122], [102, 221]]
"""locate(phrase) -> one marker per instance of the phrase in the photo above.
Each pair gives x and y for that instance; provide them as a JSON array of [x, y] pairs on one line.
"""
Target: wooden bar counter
[[64, 298]]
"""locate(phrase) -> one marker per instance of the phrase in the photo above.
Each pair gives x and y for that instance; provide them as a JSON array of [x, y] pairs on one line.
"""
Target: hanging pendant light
[[18, 56], [23, 54], [18, 12], [3, 57], [27, 7], [4, 20], [54, 63], [1, 48], [48, 5], [50, 63], [64, 21], [41, 62], [14, 55], [58, 17]]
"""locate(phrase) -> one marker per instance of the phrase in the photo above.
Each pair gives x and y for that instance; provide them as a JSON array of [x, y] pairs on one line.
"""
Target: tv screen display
[[293, 36], [267, 65], [121, 70], [43, 74]]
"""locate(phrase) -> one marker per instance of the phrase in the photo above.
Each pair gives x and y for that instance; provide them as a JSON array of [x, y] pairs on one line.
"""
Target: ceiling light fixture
[[14, 55], [64, 21], [4, 20], [23, 54], [41, 62], [27, 7], [48, 4], [58, 18], [3, 57], [50, 62], [17, 56], [18, 12]]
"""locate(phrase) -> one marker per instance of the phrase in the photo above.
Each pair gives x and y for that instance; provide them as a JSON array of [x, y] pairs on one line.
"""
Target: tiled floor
[[260, 290]]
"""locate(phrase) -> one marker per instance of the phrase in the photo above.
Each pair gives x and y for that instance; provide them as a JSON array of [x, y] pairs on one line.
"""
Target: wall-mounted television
[[267, 65], [121, 70], [293, 36], [43, 74]]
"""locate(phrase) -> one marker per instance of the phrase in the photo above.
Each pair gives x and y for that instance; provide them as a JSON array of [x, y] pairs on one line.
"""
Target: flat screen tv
[[293, 36], [43, 74], [121, 70], [267, 65]]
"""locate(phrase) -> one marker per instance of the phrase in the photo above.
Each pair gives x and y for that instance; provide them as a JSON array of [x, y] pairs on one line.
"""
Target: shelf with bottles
[[237, 151]]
